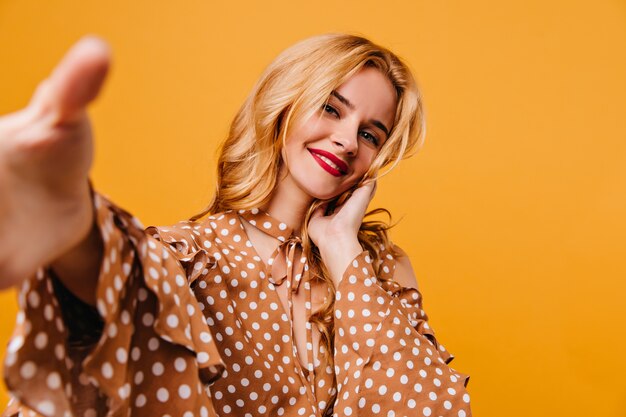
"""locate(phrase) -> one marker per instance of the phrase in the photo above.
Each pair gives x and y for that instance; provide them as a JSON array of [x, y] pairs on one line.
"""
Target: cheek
[[301, 132], [291, 147], [365, 161]]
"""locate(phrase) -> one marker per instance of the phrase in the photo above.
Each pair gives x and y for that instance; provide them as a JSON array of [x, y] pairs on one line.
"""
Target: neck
[[288, 203]]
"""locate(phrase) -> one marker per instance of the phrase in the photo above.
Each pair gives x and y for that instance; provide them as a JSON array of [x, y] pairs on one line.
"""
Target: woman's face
[[331, 151]]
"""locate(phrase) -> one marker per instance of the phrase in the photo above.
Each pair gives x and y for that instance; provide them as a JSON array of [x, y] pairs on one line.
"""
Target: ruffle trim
[[41, 378], [409, 298]]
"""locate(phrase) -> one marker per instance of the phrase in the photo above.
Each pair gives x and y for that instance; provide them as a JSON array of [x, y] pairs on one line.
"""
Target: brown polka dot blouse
[[189, 323]]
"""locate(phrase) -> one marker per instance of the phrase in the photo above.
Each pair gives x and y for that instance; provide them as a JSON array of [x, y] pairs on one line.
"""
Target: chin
[[318, 186], [320, 194]]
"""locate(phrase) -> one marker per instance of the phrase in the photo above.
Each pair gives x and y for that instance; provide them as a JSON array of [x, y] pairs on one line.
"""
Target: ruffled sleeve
[[152, 352], [387, 359]]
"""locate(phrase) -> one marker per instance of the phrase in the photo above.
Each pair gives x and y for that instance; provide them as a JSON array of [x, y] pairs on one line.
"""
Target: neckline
[[267, 224]]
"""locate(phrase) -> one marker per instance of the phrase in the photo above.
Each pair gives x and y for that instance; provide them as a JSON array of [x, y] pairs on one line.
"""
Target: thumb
[[75, 81]]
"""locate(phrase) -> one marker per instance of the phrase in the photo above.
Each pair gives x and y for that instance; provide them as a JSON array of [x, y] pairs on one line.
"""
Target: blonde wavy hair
[[294, 87]]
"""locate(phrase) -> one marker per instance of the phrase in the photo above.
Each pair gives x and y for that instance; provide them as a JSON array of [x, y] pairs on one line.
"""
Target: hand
[[45, 156], [336, 235]]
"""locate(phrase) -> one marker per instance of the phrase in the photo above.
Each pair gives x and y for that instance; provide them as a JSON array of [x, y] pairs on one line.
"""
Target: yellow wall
[[514, 213]]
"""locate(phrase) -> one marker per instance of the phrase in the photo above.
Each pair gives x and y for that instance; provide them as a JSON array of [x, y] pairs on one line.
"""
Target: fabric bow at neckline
[[296, 269], [289, 251]]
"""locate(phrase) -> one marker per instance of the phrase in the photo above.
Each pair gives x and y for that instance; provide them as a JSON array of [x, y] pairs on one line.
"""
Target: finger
[[368, 188], [76, 80], [373, 184], [357, 204]]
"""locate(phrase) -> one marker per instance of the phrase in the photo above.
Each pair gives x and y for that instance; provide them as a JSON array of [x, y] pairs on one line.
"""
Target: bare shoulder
[[404, 274]]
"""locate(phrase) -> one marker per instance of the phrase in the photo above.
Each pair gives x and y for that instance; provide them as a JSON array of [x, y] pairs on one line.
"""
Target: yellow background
[[514, 212]]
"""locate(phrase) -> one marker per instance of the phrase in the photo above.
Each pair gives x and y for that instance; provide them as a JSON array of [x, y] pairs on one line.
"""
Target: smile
[[329, 162]]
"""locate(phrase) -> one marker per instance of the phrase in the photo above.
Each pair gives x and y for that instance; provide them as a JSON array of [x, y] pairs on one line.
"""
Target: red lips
[[343, 167]]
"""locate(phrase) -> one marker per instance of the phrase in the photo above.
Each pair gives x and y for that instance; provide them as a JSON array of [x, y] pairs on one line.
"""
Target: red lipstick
[[337, 167]]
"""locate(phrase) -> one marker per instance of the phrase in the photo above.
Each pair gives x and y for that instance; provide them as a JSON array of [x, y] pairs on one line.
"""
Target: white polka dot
[[53, 380], [163, 395], [121, 355], [140, 401], [41, 340], [110, 296], [125, 317], [180, 364], [34, 299], [48, 312], [135, 354], [147, 319], [46, 407], [117, 282], [138, 378], [112, 330], [59, 351], [172, 320], [158, 369], [107, 370], [124, 391], [426, 411], [153, 344], [184, 391], [153, 273]]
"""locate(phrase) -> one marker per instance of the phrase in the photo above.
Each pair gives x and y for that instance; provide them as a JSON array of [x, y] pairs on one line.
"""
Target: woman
[[278, 299]]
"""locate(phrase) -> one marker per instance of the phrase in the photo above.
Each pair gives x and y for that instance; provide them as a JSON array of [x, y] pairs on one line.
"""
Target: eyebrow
[[375, 122]]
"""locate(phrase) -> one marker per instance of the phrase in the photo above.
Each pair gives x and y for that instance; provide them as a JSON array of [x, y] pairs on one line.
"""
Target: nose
[[346, 140]]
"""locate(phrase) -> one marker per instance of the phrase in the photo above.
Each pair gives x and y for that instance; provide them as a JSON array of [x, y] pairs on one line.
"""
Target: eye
[[369, 137], [330, 110]]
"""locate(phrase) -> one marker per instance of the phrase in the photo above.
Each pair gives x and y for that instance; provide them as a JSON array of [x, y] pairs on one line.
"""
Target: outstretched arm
[[46, 150]]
